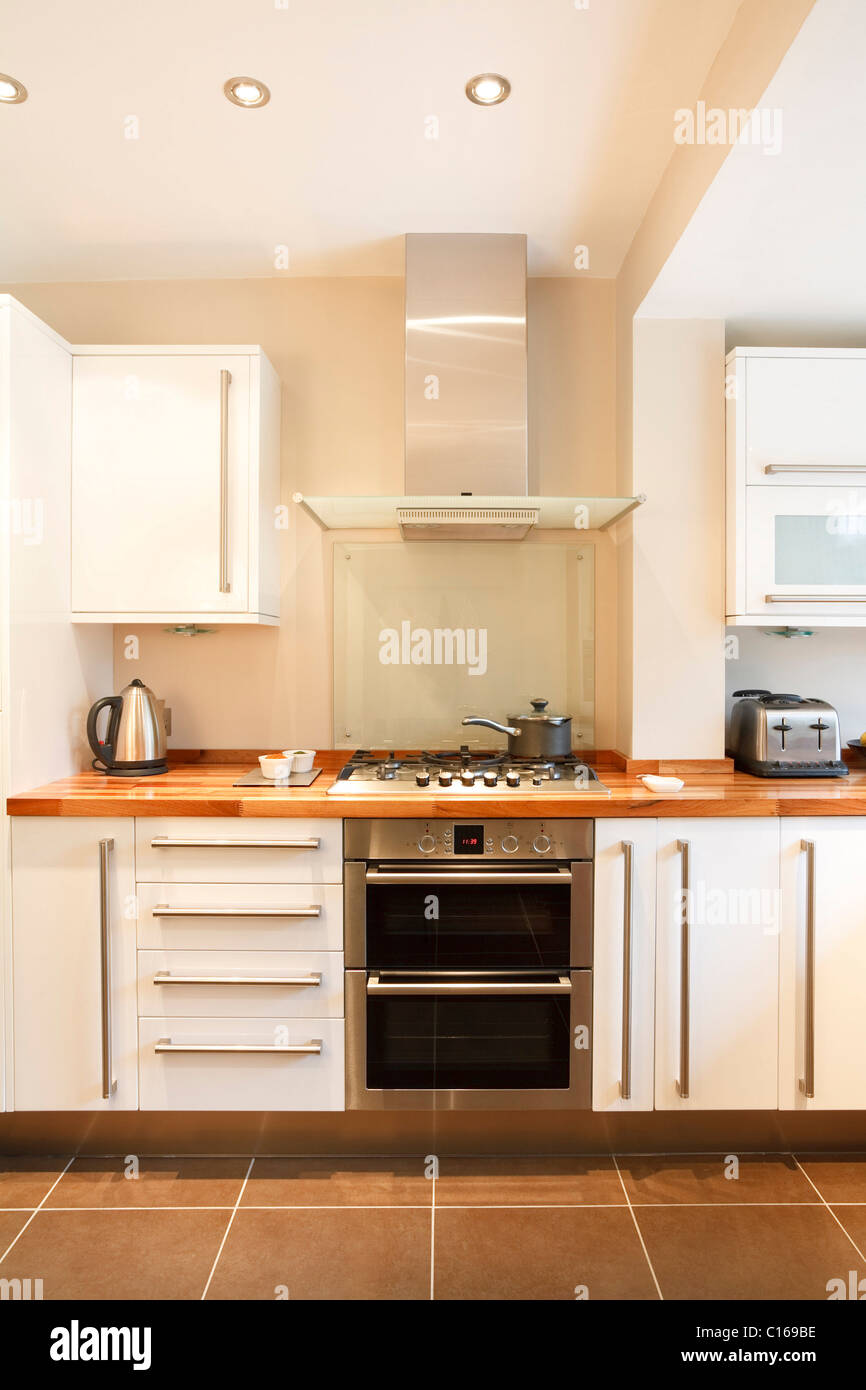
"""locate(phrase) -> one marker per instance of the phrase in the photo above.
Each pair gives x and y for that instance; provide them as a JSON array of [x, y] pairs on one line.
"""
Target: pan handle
[[492, 724]]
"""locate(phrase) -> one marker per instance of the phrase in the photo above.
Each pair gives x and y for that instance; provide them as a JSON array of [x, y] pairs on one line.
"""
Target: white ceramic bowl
[[662, 784], [302, 758], [274, 767]]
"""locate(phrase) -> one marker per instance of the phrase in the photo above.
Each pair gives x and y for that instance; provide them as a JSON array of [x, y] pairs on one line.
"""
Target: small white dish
[[273, 767], [662, 784], [301, 758]]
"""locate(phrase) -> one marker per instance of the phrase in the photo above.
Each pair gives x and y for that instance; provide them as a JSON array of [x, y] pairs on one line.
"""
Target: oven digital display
[[469, 839]]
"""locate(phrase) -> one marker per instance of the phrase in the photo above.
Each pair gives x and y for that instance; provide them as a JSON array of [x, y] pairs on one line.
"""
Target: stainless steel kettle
[[134, 742]]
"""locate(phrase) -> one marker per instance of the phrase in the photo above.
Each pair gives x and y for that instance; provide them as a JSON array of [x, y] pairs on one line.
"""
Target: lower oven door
[[452, 1041]]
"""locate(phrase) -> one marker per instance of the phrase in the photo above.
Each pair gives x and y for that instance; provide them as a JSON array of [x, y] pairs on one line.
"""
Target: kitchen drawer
[[204, 849], [229, 984], [238, 1064], [239, 916]]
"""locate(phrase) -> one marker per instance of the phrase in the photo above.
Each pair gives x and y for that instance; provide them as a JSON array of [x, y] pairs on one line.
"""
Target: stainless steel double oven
[[468, 955]]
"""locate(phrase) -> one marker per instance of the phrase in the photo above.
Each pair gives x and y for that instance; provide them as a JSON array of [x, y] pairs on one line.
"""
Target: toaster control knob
[[510, 844], [541, 844], [445, 779], [467, 777], [512, 778], [426, 844]]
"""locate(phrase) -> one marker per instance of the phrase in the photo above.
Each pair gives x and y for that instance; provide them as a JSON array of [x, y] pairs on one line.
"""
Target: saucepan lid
[[539, 715]]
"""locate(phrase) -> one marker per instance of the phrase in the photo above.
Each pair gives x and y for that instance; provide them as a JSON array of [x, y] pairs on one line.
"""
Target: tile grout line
[[830, 1209], [38, 1209], [638, 1229], [227, 1229]]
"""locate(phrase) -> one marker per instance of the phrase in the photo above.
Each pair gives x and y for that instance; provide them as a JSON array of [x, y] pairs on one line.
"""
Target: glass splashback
[[427, 634]]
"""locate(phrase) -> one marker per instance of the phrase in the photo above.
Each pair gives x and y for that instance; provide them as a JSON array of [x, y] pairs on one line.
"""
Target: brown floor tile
[[118, 1254], [161, 1182], [838, 1177], [25, 1181], [854, 1221], [347, 1254], [10, 1224], [486, 1182], [745, 1252], [701, 1178], [541, 1254], [338, 1182]]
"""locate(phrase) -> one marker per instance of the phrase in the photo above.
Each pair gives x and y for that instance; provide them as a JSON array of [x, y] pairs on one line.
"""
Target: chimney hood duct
[[465, 381]]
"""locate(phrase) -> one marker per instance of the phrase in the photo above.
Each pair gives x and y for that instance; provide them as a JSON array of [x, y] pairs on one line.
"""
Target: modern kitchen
[[432, 660]]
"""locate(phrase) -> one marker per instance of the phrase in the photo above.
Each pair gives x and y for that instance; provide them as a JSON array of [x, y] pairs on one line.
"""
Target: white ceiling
[[782, 238], [337, 166]]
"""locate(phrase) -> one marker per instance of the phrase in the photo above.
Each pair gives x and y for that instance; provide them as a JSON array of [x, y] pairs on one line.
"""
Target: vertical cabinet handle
[[684, 847], [807, 1083], [225, 382], [627, 922], [109, 1085]]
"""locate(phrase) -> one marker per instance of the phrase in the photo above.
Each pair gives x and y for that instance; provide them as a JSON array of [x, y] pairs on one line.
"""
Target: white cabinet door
[[823, 975], [74, 976], [805, 418], [623, 978], [147, 507], [717, 964], [806, 551]]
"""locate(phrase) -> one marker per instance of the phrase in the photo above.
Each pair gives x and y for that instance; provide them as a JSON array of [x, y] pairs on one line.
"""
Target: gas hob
[[456, 772]]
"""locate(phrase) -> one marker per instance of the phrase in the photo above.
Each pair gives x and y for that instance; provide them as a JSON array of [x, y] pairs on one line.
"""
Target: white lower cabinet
[[74, 968], [241, 984], [242, 1064], [623, 980], [717, 964], [823, 967]]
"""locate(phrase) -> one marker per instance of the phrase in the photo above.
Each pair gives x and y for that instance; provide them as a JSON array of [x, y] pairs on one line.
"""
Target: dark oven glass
[[437, 925], [468, 1043]]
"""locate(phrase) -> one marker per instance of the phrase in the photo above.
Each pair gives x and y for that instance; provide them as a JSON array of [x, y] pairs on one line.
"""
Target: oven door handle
[[431, 984], [482, 876]]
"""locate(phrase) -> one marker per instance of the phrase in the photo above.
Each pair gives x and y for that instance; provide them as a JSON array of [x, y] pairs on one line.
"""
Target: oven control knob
[[426, 844], [423, 778], [467, 777], [491, 779], [541, 844], [445, 779], [510, 844]]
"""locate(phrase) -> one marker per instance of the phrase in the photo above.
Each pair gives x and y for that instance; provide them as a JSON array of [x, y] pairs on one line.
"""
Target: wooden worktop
[[204, 788]]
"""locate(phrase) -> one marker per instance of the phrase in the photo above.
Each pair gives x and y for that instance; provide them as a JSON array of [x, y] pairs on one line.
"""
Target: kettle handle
[[105, 751]]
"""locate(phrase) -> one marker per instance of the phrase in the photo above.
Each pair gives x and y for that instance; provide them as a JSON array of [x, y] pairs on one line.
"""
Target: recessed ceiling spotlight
[[247, 91], [11, 91], [488, 88]]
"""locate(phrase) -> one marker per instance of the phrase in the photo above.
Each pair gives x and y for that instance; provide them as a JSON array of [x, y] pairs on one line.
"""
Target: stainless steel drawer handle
[[171, 842], [431, 984], [225, 383], [684, 847], [166, 910], [109, 1085], [167, 977], [815, 598], [815, 467], [807, 1084], [481, 877], [627, 924], [312, 1048]]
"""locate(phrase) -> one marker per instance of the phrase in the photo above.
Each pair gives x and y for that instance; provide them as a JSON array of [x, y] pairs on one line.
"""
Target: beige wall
[[337, 345]]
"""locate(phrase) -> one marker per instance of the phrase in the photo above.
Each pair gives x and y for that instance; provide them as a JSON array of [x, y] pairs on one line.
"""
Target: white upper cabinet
[[823, 974], [796, 486], [175, 485], [717, 964]]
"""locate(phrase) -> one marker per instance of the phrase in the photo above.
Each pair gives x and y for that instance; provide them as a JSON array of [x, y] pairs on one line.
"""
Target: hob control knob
[[423, 778], [510, 844], [445, 779], [467, 777], [426, 844], [541, 844], [490, 779], [512, 779]]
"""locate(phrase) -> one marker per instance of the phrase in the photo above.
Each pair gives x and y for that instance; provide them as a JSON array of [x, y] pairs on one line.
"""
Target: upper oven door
[[513, 917]]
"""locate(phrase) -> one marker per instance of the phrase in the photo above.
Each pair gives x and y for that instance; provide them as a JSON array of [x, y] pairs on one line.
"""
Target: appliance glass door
[[430, 918], [468, 1040]]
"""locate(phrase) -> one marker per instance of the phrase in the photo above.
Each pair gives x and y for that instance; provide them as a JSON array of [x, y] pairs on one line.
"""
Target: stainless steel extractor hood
[[466, 473]]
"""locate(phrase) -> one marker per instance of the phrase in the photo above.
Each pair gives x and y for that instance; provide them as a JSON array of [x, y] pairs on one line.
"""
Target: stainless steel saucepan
[[536, 735]]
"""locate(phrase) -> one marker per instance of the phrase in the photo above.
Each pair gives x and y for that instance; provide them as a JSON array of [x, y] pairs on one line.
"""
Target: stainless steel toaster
[[784, 736]]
